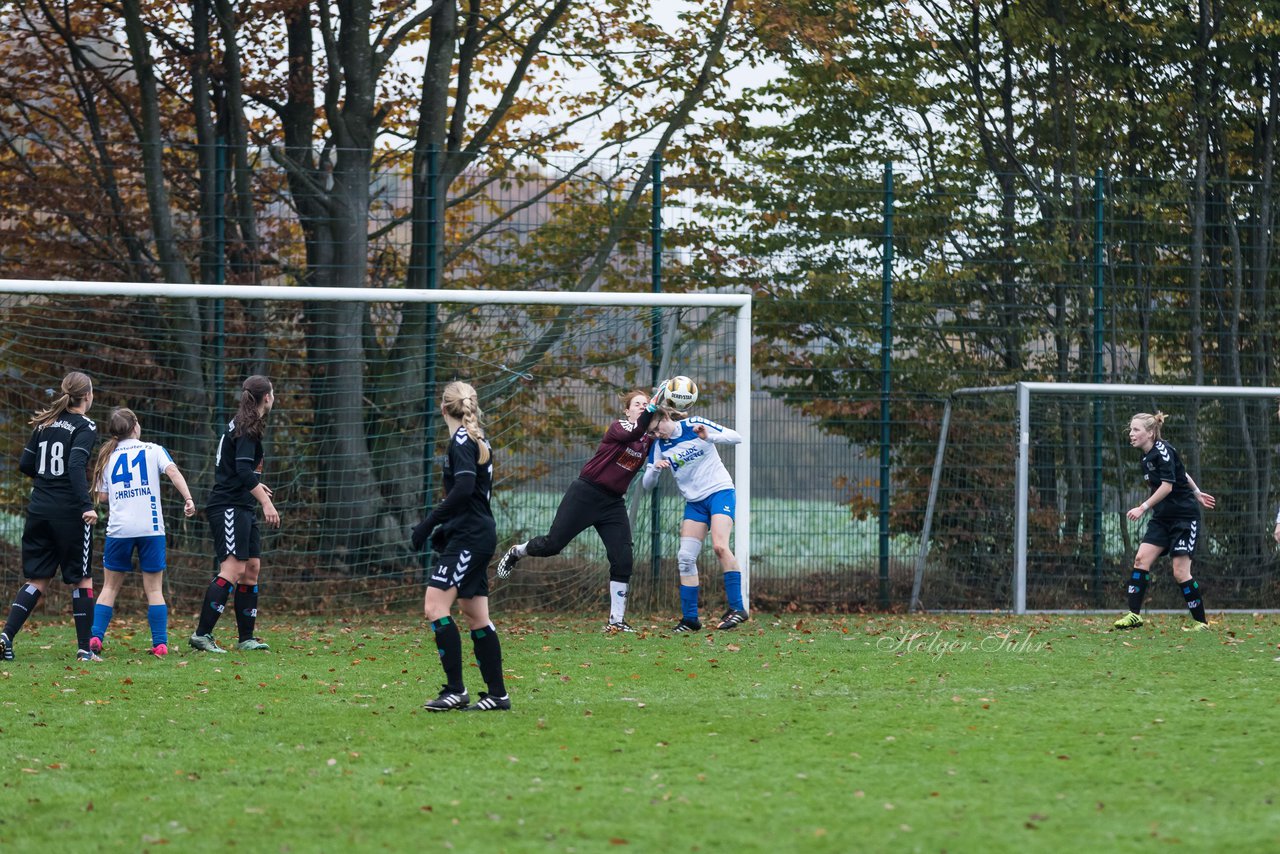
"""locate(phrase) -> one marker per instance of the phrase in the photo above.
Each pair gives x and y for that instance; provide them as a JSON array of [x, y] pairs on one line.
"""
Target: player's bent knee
[[687, 557], [543, 547]]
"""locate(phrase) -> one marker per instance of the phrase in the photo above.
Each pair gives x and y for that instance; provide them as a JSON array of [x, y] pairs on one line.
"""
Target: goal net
[[1031, 483], [354, 442]]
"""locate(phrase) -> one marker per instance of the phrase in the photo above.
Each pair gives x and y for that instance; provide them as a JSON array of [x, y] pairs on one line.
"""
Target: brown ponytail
[[75, 388], [120, 426], [250, 421]]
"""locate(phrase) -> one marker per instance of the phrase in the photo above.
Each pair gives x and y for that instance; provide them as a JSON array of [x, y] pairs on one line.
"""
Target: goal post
[[1235, 438], [606, 346]]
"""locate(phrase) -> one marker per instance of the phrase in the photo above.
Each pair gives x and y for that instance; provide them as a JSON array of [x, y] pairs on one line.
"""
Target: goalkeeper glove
[[421, 531], [658, 398]]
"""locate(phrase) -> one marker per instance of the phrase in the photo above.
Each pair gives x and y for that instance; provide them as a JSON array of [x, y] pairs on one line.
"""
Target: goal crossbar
[[740, 304]]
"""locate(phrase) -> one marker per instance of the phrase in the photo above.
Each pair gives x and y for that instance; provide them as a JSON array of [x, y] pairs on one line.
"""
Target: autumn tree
[[995, 116], [205, 102]]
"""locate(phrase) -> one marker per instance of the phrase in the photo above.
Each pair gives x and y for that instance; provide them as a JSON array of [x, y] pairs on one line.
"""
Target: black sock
[[246, 609], [1195, 604], [489, 657], [215, 602], [1138, 589], [23, 604], [82, 613], [449, 642]]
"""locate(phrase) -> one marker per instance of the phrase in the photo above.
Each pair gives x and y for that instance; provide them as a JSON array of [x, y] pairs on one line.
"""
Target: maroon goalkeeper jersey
[[621, 454]]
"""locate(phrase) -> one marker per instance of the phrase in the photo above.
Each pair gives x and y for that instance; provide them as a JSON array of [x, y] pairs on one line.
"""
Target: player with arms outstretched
[[1175, 503], [596, 500], [686, 447]]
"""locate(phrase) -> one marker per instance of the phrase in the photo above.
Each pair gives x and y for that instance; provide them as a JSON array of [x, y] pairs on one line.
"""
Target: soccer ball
[[682, 392]]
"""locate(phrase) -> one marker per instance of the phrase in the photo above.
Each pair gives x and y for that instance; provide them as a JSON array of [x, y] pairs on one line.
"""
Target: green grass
[[958, 733], [782, 530]]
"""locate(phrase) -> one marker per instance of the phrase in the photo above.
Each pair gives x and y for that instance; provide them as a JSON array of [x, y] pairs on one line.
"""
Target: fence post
[[431, 252], [1099, 316], [655, 231], [219, 278], [886, 381]]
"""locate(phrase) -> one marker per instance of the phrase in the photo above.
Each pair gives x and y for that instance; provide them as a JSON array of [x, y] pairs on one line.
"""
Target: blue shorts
[[117, 554], [722, 503]]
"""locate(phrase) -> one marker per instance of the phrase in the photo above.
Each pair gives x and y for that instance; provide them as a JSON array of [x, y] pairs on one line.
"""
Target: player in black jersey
[[237, 540], [60, 517], [463, 539], [1175, 503]]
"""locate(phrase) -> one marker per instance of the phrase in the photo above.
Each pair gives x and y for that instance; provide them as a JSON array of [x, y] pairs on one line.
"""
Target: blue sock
[[689, 602], [733, 589], [101, 620], [158, 620]]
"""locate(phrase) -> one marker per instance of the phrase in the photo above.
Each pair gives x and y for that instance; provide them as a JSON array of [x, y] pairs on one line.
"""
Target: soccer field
[[880, 733]]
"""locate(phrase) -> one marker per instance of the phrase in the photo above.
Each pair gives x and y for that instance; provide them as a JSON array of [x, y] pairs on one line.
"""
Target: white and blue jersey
[[131, 480], [695, 464]]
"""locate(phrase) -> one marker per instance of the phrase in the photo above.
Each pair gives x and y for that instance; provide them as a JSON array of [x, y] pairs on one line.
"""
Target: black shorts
[[463, 568], [1175, 537], [50, 544], [235, 533]]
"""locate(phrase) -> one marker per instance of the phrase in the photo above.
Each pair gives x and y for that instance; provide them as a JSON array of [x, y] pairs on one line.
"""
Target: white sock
[[520, 549], [617, 601]]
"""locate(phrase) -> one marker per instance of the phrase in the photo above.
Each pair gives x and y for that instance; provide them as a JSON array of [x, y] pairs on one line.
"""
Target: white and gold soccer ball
[[682, 392]]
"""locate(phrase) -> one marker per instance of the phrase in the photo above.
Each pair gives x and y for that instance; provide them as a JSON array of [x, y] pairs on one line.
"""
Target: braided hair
[[461, 402]]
